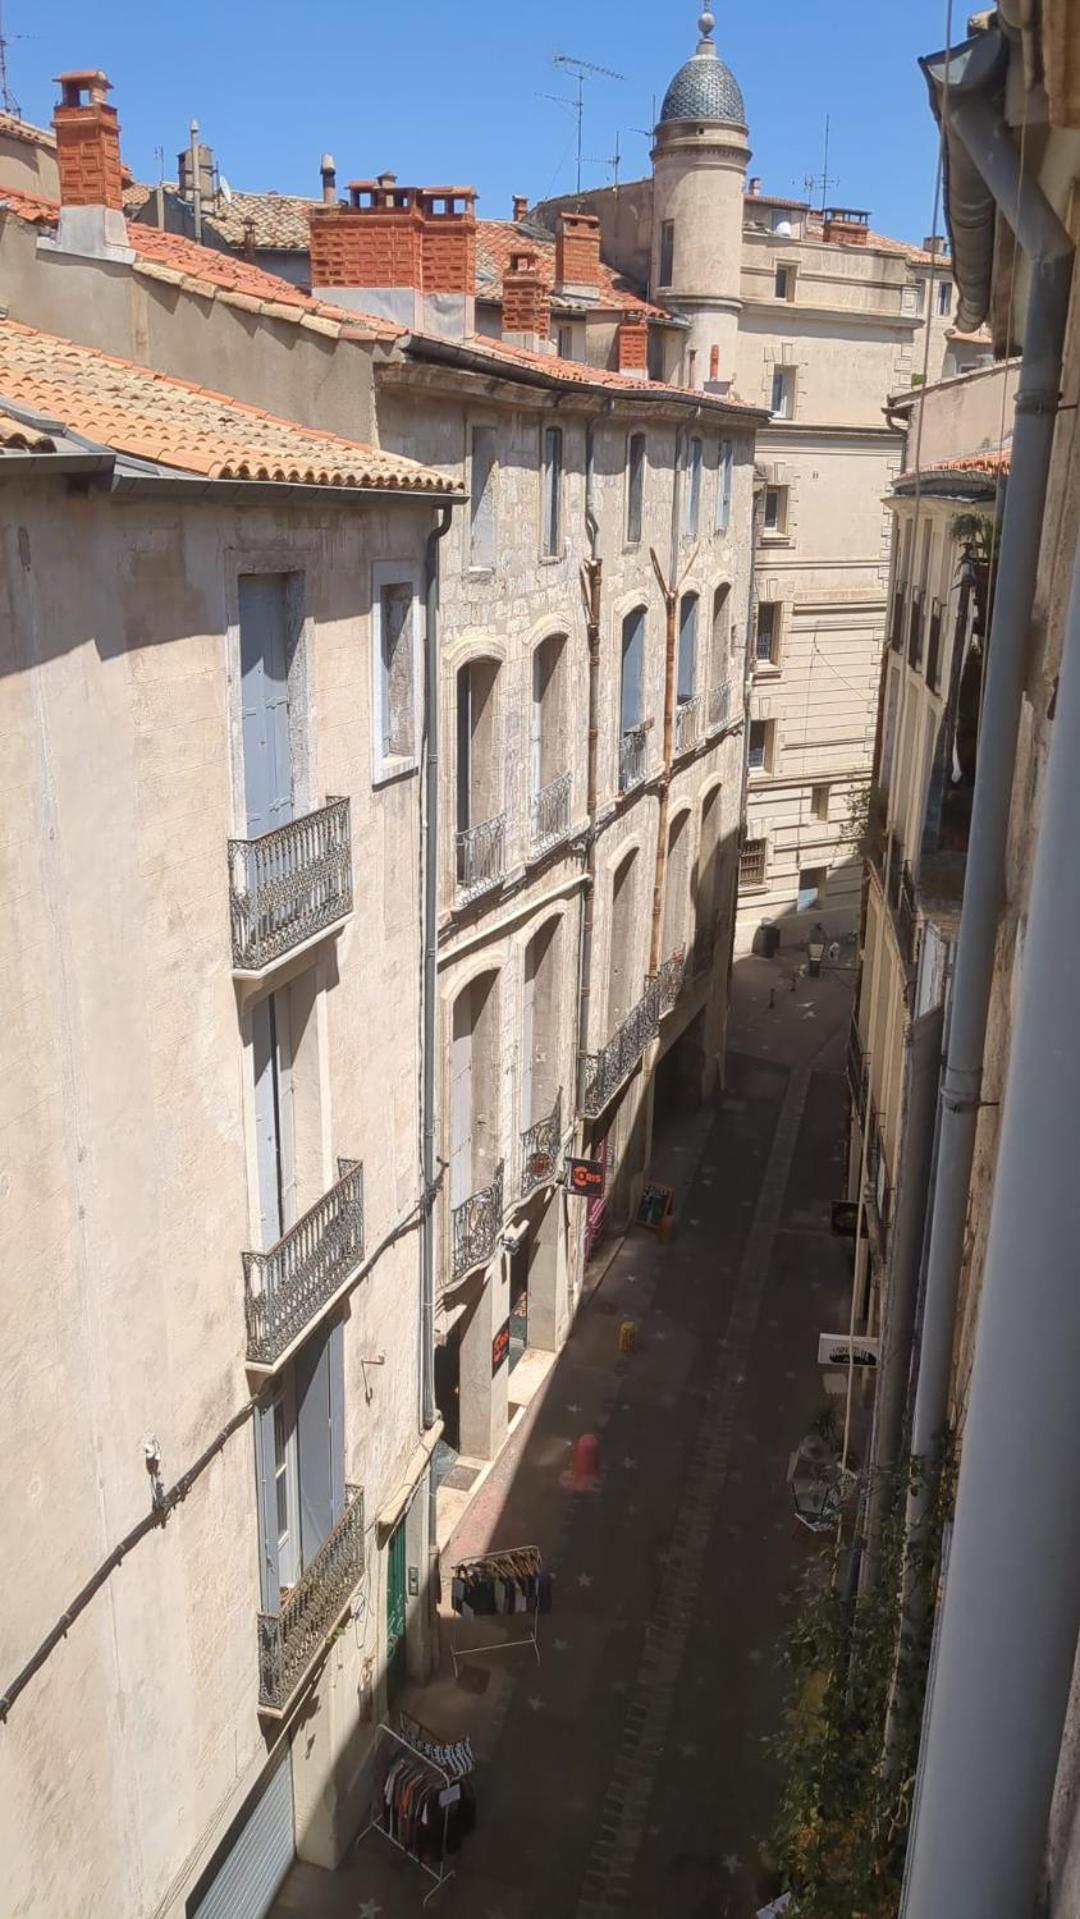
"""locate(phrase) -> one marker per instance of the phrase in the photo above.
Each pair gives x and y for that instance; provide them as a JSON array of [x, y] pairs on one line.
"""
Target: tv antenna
[[7, 98], [825, 180], [580, 70]]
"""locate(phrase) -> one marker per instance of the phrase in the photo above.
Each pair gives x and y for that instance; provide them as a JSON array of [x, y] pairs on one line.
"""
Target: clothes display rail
[[511, 1583], [455, 1756], [418, 1807]]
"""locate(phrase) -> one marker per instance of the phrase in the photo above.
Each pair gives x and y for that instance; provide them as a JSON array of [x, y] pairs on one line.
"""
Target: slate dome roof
[[703, 88]]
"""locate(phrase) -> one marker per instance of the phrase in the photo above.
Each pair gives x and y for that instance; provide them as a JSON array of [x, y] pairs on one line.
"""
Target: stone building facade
[[818, 319]]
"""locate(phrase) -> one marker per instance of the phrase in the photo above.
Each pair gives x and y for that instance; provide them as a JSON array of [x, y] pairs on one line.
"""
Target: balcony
[[933, 647], [878, 1189], [669, 980], [481, 858], [291, 1640], [540, 1144], [603, 1073], [287, 1286], [632, 747], [549, 815], [904, 915], [476, 1225], [289, 886], [687, 724], [720, 705]]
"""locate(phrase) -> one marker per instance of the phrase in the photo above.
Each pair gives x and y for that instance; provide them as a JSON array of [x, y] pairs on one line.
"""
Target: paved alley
[[626, 1771]]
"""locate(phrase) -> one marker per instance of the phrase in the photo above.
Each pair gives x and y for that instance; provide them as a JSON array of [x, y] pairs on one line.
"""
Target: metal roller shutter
[[259, 1854]]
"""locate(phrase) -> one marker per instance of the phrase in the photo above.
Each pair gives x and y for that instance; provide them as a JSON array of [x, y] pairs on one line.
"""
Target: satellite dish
[[783, 228], [226, 190]]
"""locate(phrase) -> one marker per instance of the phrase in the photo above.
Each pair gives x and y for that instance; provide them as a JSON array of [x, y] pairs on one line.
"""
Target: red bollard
[[584, 1475]]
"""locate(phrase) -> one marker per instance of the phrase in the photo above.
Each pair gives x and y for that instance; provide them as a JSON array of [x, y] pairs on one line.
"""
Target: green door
[[395, 1610]]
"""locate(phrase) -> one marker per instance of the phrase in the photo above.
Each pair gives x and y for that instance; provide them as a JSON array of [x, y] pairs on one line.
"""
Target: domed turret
[[699, 177], [703, 88]]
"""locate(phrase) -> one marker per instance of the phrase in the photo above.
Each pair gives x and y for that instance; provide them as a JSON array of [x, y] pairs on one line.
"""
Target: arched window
[[549, 771], [474, 1088]]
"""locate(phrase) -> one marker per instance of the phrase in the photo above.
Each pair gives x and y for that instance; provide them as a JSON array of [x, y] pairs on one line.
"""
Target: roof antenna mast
[[824, 179], [582, 70]]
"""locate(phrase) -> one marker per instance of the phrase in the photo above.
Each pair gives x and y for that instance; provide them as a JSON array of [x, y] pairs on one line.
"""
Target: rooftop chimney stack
[[88, 160], [632, 342], [197, 171], [328, 171], [521, 207], [405, 253], [526, 311], [755, 185], [577, 253]]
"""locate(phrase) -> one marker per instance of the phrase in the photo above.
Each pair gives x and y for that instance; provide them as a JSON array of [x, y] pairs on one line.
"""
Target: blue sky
[[454, 92]]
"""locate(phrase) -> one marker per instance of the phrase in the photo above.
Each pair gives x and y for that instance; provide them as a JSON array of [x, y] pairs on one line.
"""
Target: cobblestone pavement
[[626, 1772]]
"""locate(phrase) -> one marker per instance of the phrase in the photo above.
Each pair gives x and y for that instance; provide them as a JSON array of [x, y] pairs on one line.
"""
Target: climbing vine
[[841, 1829]]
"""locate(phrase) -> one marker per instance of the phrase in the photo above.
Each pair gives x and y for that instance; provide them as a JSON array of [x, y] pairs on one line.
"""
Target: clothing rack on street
[[403, 1825], [456, 1756], [511, 1583]]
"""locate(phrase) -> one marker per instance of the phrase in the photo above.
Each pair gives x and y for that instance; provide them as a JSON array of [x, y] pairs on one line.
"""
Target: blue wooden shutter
[[266, 1487], [320, 1435], [687, 645], [271, 1224], [633, 666], [264, 680]]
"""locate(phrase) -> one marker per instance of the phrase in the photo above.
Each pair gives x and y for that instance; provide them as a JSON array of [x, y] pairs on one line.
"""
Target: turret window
[[667, 252]]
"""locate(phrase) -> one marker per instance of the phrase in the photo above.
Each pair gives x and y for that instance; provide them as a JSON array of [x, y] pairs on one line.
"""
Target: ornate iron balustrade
[[285, 1286], [904, 915], [549, 814], [687, 723], [720, 704], [540, 1144], [290, 884], [476, 1225], [632, 747], [933, 647], [291, 1639], [670, 978], [481, 857], [603, 1073]]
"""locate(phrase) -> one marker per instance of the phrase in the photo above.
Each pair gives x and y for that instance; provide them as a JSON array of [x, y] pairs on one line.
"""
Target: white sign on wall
[[833, 1350]]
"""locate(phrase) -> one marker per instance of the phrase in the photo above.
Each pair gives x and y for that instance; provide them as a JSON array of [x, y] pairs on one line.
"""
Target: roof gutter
[[164, 480], [450, 353], [973, 73]]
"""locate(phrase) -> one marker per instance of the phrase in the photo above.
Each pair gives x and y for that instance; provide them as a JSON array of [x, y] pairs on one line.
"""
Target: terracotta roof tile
[[152, 416], [18, 437], [13, 128], [279, 221], [591, 376], [199, 269], [497, 239], [881, 243]]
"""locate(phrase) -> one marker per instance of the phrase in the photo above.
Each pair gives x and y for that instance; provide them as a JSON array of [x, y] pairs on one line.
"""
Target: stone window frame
[[485, 422]]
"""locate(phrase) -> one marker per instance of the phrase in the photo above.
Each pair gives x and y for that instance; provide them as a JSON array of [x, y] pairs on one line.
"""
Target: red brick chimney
[[521, 206], [577, 253], [407, 253], [88, 161], [632, 342], [526, 302], [848, 225]]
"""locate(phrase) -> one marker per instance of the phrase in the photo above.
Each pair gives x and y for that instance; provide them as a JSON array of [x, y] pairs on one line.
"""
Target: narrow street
[[628, 1769]]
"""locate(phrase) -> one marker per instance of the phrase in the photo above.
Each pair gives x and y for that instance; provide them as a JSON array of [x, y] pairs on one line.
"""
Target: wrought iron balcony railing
[[481, 857], [476, 1225], [549, 814], [540, 1144], [289, 885], [670, 978], [632, 748], [286, 1286], [603, 1073], [904, 915], [687, 723], [291, 1639], [720, 704]]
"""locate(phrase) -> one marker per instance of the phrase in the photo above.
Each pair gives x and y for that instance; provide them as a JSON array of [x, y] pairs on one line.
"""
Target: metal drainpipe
[[1043, 237], [1040, 233], [428, 1412], [1007, 1635]]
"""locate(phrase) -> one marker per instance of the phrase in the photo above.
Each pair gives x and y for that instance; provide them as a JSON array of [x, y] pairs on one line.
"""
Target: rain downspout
[[591, 584], [986, 141], [428, 1411]]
